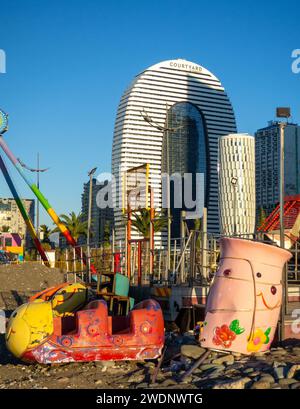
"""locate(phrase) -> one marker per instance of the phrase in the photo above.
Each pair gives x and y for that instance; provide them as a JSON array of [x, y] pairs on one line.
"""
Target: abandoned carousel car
[[36, 334]]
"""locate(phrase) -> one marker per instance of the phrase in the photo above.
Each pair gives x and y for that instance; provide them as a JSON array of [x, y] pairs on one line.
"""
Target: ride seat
[[94, 313]]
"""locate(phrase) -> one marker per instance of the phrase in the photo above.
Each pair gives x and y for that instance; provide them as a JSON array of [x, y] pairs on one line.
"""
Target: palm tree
[[46, 233], [197, 224], [197, 227], [106, 233], [74, 223], [261, 216], [141, 221]]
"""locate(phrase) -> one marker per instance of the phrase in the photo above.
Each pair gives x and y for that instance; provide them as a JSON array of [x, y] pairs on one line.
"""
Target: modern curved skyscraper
[[189, 100], [237, 184]]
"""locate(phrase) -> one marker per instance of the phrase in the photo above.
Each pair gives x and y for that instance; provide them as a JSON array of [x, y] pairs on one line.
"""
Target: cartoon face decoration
[[244, 301]]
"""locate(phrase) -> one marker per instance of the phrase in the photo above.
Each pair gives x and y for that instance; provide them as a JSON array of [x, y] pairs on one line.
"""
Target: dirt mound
[[18, 282], [29, 276]]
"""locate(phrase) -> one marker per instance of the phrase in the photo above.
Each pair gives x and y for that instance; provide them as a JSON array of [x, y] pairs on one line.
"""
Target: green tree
[[74, 223], [197, 224], [197, 228], [261, 216], [46, 246], [141, 221], [45, 231], [106, 233]]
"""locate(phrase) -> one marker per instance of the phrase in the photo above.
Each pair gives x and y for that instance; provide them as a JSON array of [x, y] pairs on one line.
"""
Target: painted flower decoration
[[258, 339], [224, 335]]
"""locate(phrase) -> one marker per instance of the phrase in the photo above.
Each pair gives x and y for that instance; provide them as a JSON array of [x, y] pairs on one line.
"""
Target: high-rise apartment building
[[99, 216], [267, 157]]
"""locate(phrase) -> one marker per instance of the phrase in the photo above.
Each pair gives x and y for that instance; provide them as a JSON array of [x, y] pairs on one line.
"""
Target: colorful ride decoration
[[291, 221], [24, 213], [65, 298], [31, 322], [244, 301], [34, 334], [45, 203]]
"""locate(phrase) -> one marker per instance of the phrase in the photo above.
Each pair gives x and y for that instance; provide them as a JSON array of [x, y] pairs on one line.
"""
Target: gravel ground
[[277, 369]]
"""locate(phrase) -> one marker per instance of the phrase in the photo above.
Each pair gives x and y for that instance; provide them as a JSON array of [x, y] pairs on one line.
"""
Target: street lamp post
[[281, 193], [234, 181], [166, 130], [168, 193], [37, 170], [90, 174], [282, 113]]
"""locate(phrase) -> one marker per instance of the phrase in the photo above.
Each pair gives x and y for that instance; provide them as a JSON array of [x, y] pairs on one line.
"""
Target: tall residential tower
[[100, 217], [267, 154], [190, 100]]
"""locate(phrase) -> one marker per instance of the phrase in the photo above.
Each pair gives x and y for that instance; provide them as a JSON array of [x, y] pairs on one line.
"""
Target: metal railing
[[194, 260]]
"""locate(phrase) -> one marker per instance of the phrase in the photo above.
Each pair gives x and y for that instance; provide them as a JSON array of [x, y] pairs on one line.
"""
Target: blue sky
[[68, 62]]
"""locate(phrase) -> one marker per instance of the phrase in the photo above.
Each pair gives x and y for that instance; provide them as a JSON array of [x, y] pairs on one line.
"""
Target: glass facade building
[[184, 152]]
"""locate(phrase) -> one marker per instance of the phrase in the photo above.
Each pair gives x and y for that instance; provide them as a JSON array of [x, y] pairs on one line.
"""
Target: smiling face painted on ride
[[268, 293], [245, 298]]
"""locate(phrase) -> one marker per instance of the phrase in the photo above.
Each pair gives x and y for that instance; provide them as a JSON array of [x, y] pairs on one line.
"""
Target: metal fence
[[193, 260]]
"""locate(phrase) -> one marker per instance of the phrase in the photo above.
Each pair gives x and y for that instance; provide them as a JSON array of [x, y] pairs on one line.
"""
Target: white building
[[237, 184], [186, 91]]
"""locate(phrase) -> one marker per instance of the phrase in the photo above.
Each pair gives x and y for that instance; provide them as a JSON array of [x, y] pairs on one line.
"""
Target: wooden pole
[[121, 253], [204, 243], [174, 257], [132, 268], [74, 264], [159, 264], [139, 262], [81, 262], [128, 244], [182, 236], [196, 364], [152, 216], [113, 249], [67, 259]]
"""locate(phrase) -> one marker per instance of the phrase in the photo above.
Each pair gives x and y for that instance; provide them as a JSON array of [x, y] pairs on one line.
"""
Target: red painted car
[[92, 335]]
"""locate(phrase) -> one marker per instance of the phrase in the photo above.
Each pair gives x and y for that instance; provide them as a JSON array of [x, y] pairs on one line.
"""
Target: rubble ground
[[278, 368]]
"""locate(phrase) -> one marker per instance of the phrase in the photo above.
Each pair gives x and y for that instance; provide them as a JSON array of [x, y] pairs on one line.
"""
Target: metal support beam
[[182, 236], [204, 243], [282, 125]]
